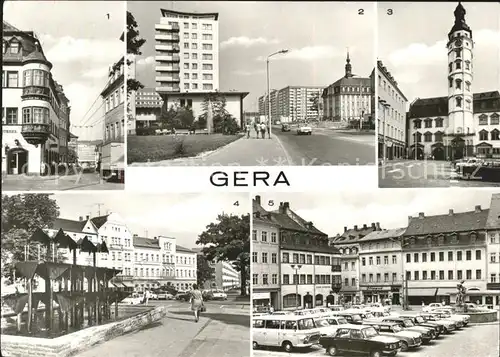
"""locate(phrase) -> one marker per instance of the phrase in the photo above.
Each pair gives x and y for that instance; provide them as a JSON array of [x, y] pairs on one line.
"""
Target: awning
[[422, 292], [258, 296], [447, 291], [128, 284]]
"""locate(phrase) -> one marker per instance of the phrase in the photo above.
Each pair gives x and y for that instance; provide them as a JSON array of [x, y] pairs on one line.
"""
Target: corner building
[[35, 110]]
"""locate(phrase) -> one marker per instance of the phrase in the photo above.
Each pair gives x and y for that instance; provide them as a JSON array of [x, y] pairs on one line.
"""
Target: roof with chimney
[[99, 221], [355, 234], [180, 248], [384, 234], [146, 242], [483, 102], [69, 225], [493, 221], [445, 223], [296, 223]]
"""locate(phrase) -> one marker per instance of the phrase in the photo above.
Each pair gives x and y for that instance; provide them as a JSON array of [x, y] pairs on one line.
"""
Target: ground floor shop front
[[384, 294], [308, 296], [266, 298]]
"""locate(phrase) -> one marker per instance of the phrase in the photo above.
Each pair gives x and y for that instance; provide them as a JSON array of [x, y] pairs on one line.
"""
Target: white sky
[[183, 216], [330, 212], [316, 34], [412, 44], [82, 43]]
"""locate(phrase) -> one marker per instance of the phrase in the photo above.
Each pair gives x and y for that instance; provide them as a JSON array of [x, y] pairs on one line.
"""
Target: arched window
[[458, 84], [450, 80], [467, 65], [483, 135], [458, 102], [450, 66], [458, 64], [458, 52], [495, 134]]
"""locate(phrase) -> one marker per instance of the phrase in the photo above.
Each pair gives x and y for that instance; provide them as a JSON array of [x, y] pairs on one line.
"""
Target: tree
[[204, 271], [315, 102], [184, 118], [21, 216], [228, 240], [226, 124], [168, 116]]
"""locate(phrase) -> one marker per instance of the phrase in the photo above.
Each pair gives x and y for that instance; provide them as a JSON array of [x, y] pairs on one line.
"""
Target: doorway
[[17, 161]]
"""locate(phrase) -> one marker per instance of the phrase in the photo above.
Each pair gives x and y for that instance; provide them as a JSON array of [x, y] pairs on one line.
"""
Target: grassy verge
[[167, 147]]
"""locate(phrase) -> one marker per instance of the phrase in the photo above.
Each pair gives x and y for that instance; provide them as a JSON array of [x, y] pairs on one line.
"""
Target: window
[[450, 256], [206, 26], [186, 76], [468, 255], [459, 275], [478, 274], [433, 275], [468, 274], [186, 55], [12, 79], [467, 86], [254, 235], [408, 275], [286, 257], [274, 279], [186, 36], [274, 258], [194, 25], [370, 277], [207, 56], [186, 65], [186, 25], [424, 275], [378, 260], [458, 84], [441, 275], [458, 101], [370, 260], [478, 255], [309, 259], [415, 257], [264, 236], [255, 279], [295, 258], [394, 259], [493, 257], [441, 256], [433, 257], [194, 66], [353, 266], [207, 46], [416, 275], [346, 266], [186, 45], [207, 76], [363, 261], [394, 276], [378, 277], [459, 255], [194, 36], [450, 81], [302, 259], [207, 36], [363, 278], [264, 279], [450, 274], [194, 46], [458, 65], [14, 47], [195, 86], [408, 258], [207, 86], [11, 115], [286, 279], [264, 257], [493, 278], [424, 257], [194, 56]]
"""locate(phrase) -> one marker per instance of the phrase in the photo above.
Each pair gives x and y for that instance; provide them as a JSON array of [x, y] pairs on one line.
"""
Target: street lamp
[[269, 91], [296, 268], [386, 106]]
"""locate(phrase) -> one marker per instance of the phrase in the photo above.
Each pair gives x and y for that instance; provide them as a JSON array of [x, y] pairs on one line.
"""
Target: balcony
[[168, 89], [37, 92], [170, 48], [170, 28], [167, 68], [162, 36], [165, 58], [336, 287], [336, 268], [35, 134], [172, 78]]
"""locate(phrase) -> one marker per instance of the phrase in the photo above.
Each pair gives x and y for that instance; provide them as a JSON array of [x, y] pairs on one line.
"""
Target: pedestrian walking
[[146, 297], [268, 131], [248, 131], [263, 130], [257, 129], [196, 301]]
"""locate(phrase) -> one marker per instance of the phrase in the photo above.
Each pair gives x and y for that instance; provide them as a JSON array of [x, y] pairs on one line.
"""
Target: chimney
[[450, 212], [87, 217], [286, 205], [409, 219], [310, 225], [80, 218], [364, 226], [378, 226], [374, 227], [135, 235], [478, 208], [345, 229], [257, 198], [356, 227], [421, 215]]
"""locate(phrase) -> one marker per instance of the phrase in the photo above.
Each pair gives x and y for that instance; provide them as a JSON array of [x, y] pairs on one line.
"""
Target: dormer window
[[14, 47], [473, 237]]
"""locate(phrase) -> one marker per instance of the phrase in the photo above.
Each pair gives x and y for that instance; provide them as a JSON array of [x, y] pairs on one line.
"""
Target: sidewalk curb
[[287, 156], [205, 155]]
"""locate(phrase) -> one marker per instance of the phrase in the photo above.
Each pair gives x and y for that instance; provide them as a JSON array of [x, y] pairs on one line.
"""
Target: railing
[[174, 28], [36, 128], [336, 268], [166, 37], [173, 58], [36, 91]]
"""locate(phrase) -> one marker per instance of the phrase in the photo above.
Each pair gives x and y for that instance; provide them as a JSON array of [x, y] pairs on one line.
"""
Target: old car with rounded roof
[[409, 339]]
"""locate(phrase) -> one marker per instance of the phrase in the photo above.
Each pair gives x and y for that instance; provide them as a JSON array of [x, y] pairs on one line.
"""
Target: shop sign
[[261, 296], [10, 131]]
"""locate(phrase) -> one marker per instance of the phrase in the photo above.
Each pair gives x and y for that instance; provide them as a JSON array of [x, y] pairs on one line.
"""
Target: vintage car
[[219, 295], [443, 316], [378, 305], [427, 333], [134, 299], [460, 318], [432, 306], [351, 317], [360, 339], [164, 295], [183, 295], [285, 127], [409, 339], [336, 308], [448, 325], [304, 129], [420, 321]]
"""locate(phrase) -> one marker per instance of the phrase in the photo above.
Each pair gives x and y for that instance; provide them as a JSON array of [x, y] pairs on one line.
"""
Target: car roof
[[283, 317], [381, 323], [355, 327]]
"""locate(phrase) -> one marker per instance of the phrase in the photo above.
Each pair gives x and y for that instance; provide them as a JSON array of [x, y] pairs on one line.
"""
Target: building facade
[[226, 276], [440, 251], [381, 266], [113, 145], [185, 268], [464, 123], [187, 52], [310, 267], [493, 252], [391, 115], [148, 106], [349, 98], [35, 110], [348, 245], [265, 258], [86, 151]]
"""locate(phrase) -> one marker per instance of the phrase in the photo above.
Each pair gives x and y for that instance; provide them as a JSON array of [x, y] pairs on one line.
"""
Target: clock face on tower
[[458, 43]]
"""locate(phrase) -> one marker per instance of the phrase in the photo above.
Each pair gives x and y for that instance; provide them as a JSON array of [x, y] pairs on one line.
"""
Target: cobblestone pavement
[[86, 181], [481, 340], [223, 331]]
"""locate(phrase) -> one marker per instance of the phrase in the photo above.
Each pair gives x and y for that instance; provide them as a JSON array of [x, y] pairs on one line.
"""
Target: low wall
[[482, 317], [21, 346]]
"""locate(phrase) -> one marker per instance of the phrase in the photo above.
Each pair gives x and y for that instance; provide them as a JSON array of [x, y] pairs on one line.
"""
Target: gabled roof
[[69, 225], [99, 221], [146, 242], [180, 248], [445, 223], [493, 221], [9, 27], [353, 235], [285, 222], [384, 234]]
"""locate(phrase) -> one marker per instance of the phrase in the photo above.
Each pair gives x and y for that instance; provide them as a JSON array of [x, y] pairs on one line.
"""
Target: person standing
[[146, 296], [248, 131], [196, 301], [263, 130], [257, 129]]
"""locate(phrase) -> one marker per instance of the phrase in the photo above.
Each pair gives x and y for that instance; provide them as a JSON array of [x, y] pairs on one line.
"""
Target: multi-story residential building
[[185, 268], [113, 145], [226, 276], [187, 52], [265, 258], [148, 106], [35, 110], [391, 115], [348, 246], [381, 266], [310, 267], [461, 124], [349, 98], [440, 251], [493, 252], [250, 117]]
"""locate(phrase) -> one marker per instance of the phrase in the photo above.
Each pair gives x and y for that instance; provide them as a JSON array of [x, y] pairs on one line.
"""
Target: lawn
[[167, 147]]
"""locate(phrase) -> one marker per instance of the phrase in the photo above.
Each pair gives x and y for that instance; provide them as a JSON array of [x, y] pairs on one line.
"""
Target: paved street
[[85, 181], [324, 147], [328, 147], [424, 174], [223, 331], [472, 341]]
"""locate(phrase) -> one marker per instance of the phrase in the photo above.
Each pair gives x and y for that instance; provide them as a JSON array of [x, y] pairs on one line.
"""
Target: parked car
[[183, 295], [285, 127], [134, 299], [351, 317], [386, 308], [432, 306], [409, 339], [427, 333], [448, 326], [219, 295], [461, 318], [304, 129], [336, 308], [419, 321], [163, 295], [360, 339], [441, 316], [208, 295]]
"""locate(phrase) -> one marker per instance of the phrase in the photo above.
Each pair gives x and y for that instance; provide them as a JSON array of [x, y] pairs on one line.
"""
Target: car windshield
[[356, 318], [408, 323], [397, 328], [321, 323], [370, 332], [342, 321], [420, 319], [306, 324]]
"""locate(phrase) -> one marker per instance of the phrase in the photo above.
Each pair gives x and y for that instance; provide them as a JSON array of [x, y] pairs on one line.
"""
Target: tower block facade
[[459, 135]]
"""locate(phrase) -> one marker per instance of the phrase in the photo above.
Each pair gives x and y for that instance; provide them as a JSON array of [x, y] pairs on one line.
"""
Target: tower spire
[[348, 66], [460, 24]]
